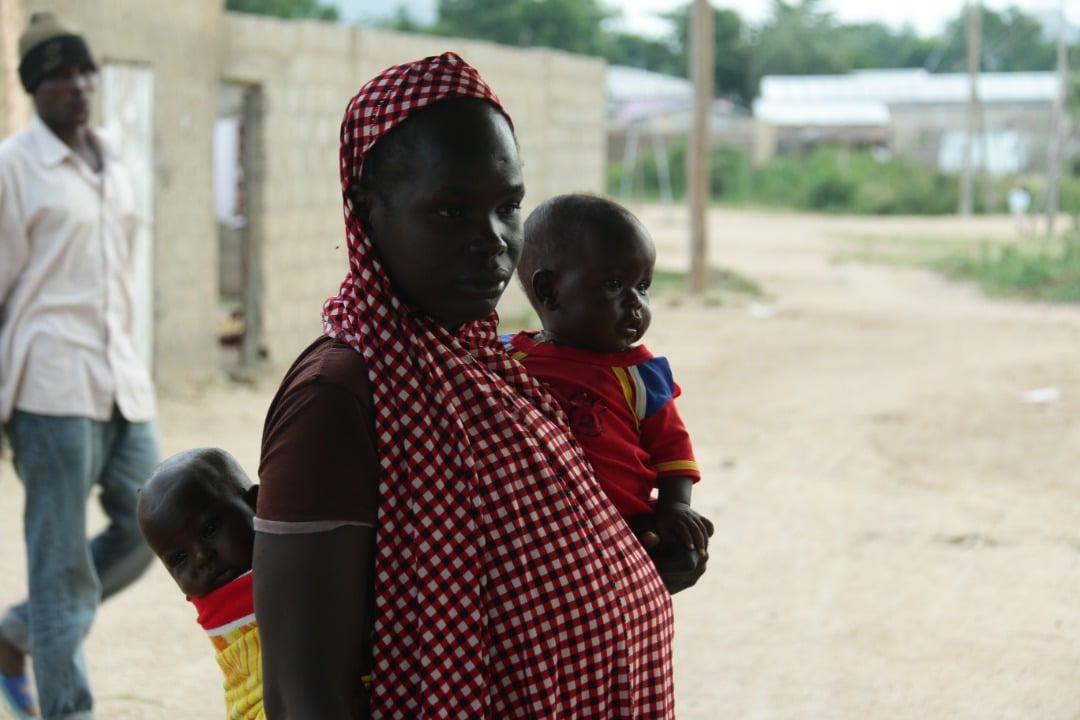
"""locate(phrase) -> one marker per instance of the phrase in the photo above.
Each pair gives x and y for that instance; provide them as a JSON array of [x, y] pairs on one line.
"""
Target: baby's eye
[[175, 559], [643, 287], [451, 212], [209, 529], [613, 284]]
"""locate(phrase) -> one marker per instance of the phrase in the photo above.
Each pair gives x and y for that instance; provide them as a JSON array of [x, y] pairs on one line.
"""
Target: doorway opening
[[237, 190]]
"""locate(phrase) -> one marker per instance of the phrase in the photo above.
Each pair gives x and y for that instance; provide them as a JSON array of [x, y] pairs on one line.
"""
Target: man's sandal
[[18, 696]]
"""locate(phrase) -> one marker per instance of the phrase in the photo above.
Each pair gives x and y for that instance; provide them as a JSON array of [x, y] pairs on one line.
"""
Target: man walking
[[76, 401]]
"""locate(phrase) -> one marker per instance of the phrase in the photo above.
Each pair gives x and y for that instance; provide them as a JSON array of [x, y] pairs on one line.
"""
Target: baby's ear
[[251, 496], [543, 285]]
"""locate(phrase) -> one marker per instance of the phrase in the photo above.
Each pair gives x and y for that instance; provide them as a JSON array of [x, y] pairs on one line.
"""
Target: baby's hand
[[681, 523]]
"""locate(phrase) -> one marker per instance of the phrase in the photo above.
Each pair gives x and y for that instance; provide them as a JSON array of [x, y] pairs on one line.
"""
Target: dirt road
[[898, 524]]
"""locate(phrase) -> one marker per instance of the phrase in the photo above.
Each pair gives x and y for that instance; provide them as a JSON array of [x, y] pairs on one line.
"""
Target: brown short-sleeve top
[[319, 464]]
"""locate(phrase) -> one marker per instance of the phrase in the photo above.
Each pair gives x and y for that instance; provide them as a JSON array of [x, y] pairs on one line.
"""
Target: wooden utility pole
[[973, 25], [1057, 144], [701, 72]]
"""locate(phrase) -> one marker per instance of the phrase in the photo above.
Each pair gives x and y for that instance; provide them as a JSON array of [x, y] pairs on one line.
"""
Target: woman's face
[[445, 211]]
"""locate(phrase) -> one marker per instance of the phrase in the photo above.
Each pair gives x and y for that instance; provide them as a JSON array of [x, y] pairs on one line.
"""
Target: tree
[[875, 45], [573, 25], [799, 39], [310, 9], [402, 21], [661, 56], [731, 55], [1012, 41]]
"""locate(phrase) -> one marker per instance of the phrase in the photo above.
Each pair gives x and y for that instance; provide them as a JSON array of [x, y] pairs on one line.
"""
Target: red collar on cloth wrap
[[221, 610]]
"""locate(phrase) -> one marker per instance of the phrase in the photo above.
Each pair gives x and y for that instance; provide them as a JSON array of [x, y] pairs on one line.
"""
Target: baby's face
[[603, 294], [203, 535]]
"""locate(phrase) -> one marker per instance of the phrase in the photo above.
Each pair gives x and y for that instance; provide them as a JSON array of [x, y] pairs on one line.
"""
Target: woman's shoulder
[[328, 361]]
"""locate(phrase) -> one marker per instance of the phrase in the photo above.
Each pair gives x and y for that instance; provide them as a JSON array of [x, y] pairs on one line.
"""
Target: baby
[[586, 267], [195, 513]]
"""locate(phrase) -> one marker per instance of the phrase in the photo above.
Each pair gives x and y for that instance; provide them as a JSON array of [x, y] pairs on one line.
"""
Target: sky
[[640, 16]]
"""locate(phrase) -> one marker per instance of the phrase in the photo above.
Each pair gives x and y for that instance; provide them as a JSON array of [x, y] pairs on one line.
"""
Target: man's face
[[62, 98]]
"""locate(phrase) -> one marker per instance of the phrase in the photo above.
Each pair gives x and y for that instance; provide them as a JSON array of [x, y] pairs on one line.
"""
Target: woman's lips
[[484, 287]]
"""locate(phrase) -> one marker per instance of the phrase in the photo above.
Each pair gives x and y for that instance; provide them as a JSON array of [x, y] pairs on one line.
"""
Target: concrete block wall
[[298, 70], [308, 71], [305, 73]]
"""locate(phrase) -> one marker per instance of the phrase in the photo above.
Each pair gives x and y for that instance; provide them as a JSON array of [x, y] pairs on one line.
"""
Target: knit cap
[[47, 45]]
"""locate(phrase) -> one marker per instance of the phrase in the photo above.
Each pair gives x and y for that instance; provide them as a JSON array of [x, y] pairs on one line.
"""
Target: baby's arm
[[676, 520], [664, 437]]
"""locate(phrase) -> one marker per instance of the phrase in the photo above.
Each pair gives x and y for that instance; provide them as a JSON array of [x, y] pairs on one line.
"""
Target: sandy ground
[[898, 531]]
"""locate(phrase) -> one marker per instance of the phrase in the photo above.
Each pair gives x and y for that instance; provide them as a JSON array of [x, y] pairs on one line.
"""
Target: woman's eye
[[510, 209]]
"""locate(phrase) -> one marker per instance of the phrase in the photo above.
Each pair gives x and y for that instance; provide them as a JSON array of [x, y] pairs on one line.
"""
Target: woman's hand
[[678, 522], [678, 566]]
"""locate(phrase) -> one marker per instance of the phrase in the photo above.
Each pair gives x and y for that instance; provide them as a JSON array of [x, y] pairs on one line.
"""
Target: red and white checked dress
[[506, 586]]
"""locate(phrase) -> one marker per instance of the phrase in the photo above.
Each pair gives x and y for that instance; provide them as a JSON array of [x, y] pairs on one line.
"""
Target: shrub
[[831, 179], [1049, 271]]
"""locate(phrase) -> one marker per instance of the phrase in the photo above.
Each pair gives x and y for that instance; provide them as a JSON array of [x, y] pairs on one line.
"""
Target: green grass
[[723, 286], [724, 280], [902, 251], [1047, 270], [524, 320], [1034, 268]]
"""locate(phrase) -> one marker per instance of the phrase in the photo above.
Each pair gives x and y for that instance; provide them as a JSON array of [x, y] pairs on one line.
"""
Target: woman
[[426, 527]]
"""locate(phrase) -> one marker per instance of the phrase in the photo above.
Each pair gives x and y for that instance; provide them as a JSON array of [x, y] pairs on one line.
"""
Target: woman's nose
[[487, 239]]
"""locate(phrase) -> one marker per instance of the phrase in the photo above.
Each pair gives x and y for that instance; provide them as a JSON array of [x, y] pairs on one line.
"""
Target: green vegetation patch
[[724, 280], [1046, 269], [828, 179], [1033, 268], [913, 251]]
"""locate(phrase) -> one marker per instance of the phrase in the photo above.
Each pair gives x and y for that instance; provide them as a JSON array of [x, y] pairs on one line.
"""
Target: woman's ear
[[360, 202], [543, 285]]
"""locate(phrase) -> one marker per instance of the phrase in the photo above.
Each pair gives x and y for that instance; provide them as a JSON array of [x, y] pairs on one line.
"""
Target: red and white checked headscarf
[[506, 586]]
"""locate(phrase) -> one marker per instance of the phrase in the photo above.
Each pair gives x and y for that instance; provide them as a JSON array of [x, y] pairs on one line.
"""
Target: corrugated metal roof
[[628, 83], [784, 113], [910, 86]]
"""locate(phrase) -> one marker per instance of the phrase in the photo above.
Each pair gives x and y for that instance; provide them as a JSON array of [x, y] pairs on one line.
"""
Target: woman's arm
[[313, 565], [313, 596]]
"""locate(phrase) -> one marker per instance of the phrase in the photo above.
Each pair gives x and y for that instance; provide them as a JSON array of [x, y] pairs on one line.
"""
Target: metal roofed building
[[654, 108], [913, 113]]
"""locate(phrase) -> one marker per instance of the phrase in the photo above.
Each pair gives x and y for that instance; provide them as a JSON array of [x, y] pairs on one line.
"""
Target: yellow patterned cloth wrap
[[228, 616]]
